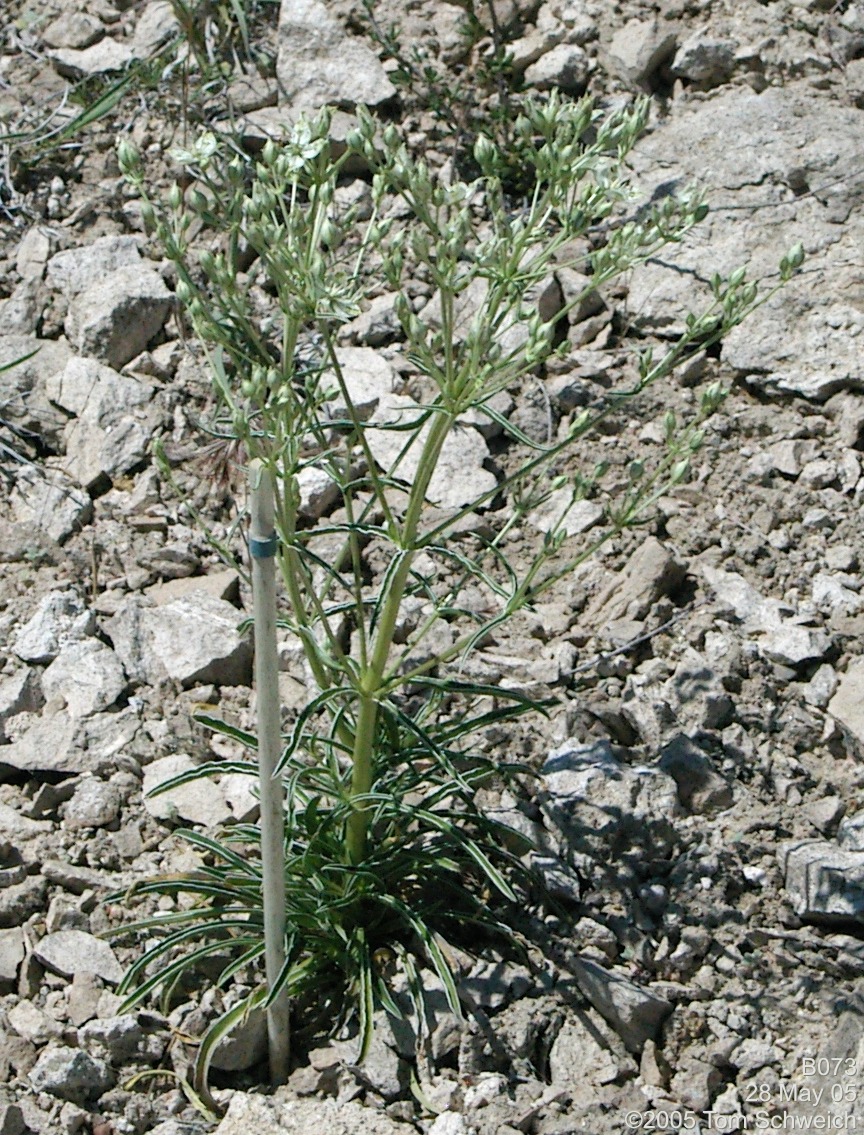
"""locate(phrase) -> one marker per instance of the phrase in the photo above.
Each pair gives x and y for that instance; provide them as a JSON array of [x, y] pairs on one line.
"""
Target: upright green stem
[[372, 679]]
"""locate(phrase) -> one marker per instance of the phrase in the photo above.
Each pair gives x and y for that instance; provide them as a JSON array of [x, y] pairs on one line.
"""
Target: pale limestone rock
[[18, 828], [49, 503], [792, 645], [223, 585], [58, 743], [377, 325], [704, 60], [95, 804], [701, 789], [651, 572], [245, 1045], [73, 29], [87, 675], [199, 802], [582, 1059], [68, 952], [317, 490], [19, 694], [585, 788], [11, 955], [192, 639], [79, 63], [74, 269], [634, 1012], [156, 25], [847, 704], [566, 66], [62, 618], [639, 48], [824, 881], [805, 340], [368, 378], [282, 1115], [320, 64], [116, 316], [459, 476], [70, 1074], [32, 255], [574, 517]]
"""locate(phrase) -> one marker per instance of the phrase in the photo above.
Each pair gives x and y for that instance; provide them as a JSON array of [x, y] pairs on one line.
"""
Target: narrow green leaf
[[249, 740], [366, 997], [203, 772], [477, 854], [103, 105], [295, 738], [385, 587], [254, 950], [214, 1037], [17, 362], [292, 977], [432, 948], [187, 963], [221, 851]]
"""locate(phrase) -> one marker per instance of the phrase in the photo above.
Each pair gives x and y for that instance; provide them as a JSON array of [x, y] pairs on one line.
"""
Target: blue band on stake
[[263, 549]]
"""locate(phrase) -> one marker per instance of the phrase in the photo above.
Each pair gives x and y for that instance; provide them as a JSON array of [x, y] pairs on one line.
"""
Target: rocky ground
[[699, 802]]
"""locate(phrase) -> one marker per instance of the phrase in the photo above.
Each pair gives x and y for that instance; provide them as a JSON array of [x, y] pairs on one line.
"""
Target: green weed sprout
[[386, 849]]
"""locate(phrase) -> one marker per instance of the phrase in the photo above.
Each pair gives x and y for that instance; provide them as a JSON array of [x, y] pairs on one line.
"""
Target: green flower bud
[[712, 396], [484, 152], [679, 471], [580, 422], [128, 157], [175, 197], [198, 201], [646, 360], [148, 215], [321, 125], [184, 291], [366, 123], [331, 234]]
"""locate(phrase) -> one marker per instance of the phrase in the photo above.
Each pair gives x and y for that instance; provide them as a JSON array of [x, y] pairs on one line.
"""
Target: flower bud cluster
[[279, 263]]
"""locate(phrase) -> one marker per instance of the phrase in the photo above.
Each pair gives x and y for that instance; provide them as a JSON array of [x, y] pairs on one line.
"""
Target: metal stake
[[262, 546]]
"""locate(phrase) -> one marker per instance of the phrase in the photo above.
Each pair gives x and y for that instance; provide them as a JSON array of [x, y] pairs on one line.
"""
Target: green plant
[[467, 100], [386, 848], [29, 142], [219, 33], [12, 449]]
